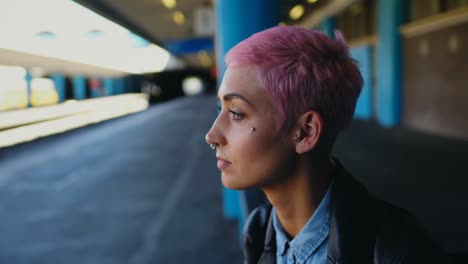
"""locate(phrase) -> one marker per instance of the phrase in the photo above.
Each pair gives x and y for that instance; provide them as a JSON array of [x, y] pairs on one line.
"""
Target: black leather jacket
[[362, 230]]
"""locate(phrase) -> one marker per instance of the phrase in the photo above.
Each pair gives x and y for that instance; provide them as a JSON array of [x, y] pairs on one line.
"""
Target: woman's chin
[[233, 183]]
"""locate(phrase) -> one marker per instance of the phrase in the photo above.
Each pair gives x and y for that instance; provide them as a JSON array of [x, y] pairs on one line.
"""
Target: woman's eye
[[236, 115]]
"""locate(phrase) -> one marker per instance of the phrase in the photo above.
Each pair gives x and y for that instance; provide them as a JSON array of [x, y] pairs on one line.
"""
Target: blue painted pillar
[[117, 86], [109, 85], [236, 21], [79, 87], [28, 79], [95, 87], [390, 15], [120, 85], [59, 82], [328, 26], [363, 56]]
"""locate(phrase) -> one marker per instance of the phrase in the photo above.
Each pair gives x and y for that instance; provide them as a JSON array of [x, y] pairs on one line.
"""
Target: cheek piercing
[[213, 146], [253, 129]]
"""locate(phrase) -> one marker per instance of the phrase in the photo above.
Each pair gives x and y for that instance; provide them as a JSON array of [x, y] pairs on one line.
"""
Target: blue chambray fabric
[[310, 246]]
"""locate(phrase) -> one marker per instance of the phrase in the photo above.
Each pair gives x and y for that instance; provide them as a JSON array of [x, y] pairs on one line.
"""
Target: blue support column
[[363, 56], [390, 16], [120, 85], [328, 26], [94, 93], [59, 82], [79, 87], [236, 21], [109, 85], [95, 87], [28, 79], [117, 86]]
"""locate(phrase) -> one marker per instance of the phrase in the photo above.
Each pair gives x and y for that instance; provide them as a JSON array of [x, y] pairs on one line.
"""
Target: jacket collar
[[269, 250]]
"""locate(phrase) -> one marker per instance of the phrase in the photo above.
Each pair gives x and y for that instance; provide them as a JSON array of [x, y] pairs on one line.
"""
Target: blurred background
[[104, 105]]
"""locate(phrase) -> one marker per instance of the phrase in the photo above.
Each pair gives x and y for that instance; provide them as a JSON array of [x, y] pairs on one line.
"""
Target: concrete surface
[[145, 188], [139, 189]]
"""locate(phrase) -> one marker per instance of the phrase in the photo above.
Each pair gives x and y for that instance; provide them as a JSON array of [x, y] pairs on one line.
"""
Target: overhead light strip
[[65, 30]]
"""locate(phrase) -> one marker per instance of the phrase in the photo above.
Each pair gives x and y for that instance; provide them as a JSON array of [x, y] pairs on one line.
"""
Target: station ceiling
[[152, 20]]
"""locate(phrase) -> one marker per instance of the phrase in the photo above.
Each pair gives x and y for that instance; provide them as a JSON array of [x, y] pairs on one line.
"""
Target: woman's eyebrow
[[229, 97]]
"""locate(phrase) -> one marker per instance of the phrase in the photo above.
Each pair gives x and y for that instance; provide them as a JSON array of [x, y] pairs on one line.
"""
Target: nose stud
[[213, 146]]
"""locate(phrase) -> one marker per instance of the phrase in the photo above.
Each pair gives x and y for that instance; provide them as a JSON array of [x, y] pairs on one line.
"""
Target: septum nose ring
[[213, 145]]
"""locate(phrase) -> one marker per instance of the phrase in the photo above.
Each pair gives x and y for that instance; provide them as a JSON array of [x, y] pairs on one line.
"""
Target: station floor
[[136, 190], [145, 189]]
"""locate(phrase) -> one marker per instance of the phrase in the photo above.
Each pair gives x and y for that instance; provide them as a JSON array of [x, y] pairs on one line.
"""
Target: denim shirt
[[311, 244]]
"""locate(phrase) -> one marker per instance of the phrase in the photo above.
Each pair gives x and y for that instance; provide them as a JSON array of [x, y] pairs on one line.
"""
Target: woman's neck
[[297, 198]]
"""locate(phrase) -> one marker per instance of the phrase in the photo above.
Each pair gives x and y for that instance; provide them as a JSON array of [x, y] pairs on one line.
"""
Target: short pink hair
[[302, 70]]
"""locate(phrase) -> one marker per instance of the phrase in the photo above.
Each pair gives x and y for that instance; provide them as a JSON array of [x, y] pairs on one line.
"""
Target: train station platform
[[144, 188], [139, 189]]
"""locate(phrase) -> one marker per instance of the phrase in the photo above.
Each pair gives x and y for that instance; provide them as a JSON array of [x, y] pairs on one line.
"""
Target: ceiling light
[[192, 85], [46, 35], [169, 4], [94, 34], [82, 36], [204, 58], [312, 1], [178, 17], [296, 12], [356, 9]]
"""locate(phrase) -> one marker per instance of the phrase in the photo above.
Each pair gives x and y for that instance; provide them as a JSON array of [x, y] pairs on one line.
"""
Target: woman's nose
[[210, 135], [214, 135], [208, 138]]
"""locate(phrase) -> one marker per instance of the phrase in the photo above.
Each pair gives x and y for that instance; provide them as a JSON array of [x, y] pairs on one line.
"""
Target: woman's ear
[[309, 128]]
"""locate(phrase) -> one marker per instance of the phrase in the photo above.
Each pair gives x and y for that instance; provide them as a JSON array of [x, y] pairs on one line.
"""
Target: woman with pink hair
[[285, 96]]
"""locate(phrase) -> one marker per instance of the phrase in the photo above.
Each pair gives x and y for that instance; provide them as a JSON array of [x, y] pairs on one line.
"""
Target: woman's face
[[250, 152]]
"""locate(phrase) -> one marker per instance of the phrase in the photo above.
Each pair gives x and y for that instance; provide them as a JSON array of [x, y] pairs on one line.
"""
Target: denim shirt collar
[[311, 235]]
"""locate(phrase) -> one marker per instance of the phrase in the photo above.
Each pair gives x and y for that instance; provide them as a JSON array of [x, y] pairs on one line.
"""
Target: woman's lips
[[222, 164]]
